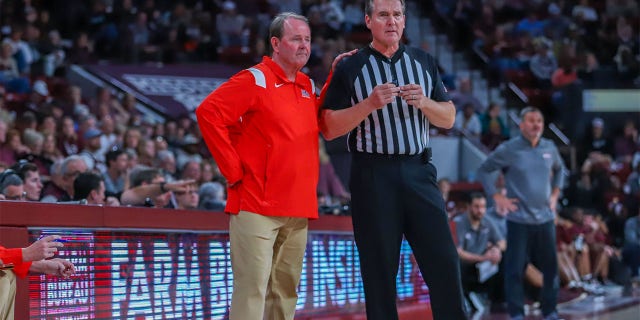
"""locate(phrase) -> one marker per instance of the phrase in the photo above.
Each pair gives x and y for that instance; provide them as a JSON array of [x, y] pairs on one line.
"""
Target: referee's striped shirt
[[398, 128]]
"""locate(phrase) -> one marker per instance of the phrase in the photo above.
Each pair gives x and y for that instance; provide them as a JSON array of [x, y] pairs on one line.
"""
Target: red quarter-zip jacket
[[262, 130], [21, 269]]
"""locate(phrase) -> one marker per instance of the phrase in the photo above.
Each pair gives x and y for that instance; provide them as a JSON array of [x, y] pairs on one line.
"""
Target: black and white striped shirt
[[398, 128]]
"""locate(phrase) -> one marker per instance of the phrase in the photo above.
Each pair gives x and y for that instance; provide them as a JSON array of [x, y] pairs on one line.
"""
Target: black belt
[[425, 155]]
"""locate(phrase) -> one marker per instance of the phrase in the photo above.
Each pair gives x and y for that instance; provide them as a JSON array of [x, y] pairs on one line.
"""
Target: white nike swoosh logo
[[278, 85]]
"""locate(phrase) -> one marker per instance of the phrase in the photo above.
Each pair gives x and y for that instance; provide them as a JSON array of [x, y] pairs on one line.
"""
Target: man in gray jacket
[[533, 172]]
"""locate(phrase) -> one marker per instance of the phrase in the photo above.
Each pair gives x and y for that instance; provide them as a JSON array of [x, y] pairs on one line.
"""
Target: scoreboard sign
[[139, 275]]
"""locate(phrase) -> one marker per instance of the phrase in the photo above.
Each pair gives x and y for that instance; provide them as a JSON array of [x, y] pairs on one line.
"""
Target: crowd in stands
[[60, 144]]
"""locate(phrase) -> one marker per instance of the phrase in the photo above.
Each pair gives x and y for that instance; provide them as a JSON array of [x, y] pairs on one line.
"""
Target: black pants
[[394, 196]]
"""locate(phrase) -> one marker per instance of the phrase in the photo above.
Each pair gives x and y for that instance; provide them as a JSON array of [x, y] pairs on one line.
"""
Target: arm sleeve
[[14, 256], [487, 172], [439, 91], [559, 170], [494, 235], [336, 94], [219, 117]]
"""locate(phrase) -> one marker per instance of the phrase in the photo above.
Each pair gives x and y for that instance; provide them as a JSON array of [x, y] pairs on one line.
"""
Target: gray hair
[[528, 110], [277, 25], [211, 191], [31, 137], [164, 155], [65, 163], [56, 167], [368, 7], [9, 178]]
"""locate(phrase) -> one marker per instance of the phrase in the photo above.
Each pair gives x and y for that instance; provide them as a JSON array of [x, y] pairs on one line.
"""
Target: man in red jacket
[[261, 127], [20, 261]]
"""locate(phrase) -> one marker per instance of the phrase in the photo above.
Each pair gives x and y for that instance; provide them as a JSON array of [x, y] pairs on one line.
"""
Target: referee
[[385, 97]]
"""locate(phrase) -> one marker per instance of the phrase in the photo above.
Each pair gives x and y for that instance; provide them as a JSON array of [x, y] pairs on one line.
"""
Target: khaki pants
[[266, 258], [7, 295]]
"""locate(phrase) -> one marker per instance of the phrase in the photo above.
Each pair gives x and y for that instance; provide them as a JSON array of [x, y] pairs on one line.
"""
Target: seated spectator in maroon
[[30, 176], [51, 190], [595, 235], [13, 148], [62, 188]]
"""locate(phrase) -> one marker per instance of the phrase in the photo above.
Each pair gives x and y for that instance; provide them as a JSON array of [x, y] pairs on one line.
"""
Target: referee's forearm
[[440, 114], [336, 123]]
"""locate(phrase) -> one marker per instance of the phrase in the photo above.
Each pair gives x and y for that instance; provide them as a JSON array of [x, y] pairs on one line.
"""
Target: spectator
[[468, 123], [9, 74], [146, 152], [52, 190], [82, 50], [595, 140], [131, 139], [166, 162], [463, 95], [148, 188], [494, 130], [543, 64], [626, 144], [116, 173], [68, 141], [188, 198], [91, 153], [191, 171], [212, 197], [11, 186], [89, 186], [71, 167], [444, 185], [109, 138], [479, 246], [231, 26], [30, 176], [36, 258]]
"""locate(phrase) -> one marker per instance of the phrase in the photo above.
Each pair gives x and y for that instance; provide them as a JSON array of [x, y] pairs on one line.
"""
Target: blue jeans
[[536, 244]]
